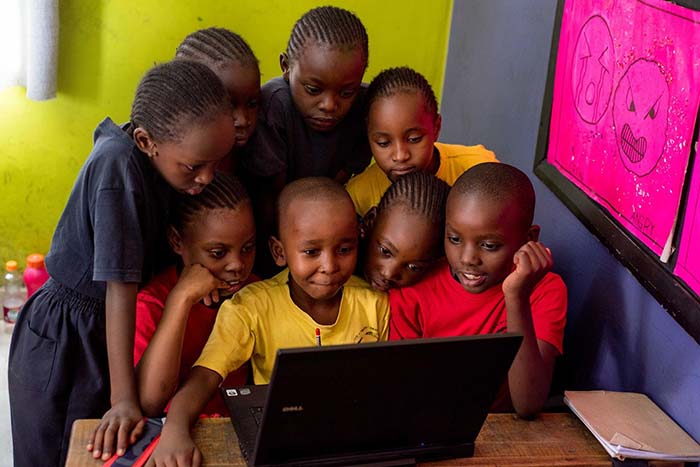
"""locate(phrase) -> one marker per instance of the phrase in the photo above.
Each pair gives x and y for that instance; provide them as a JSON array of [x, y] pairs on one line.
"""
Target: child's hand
[[175, 449], [124, 420], [196, 284], [532, 261]]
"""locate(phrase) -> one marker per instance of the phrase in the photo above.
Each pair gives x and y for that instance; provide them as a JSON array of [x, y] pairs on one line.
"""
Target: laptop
[[386, 403]]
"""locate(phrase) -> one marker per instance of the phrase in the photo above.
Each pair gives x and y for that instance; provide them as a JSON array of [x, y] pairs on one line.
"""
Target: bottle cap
[[11, 265], [35, 260]]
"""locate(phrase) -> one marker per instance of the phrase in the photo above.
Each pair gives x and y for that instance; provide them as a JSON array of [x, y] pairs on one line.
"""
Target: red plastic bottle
[[35, 274]]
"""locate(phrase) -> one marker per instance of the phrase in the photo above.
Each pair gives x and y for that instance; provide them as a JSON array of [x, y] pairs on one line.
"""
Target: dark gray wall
[[618, 337]]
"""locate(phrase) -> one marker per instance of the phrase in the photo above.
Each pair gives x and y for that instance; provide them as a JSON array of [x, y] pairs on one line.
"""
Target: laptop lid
[[422, 398]]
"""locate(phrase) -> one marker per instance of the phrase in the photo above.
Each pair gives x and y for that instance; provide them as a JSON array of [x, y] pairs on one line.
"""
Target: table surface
[[552, 439]]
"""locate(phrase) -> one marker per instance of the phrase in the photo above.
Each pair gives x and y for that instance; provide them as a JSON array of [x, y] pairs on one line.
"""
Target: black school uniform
[[283, 142], [112, 229]]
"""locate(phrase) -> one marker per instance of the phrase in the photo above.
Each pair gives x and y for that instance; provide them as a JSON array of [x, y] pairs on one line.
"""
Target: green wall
[[105, 47]]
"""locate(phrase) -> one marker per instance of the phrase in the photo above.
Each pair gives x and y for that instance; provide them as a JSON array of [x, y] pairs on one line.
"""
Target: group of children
[[156, 295]]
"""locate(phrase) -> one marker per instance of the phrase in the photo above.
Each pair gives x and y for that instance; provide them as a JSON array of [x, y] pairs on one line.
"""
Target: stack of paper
[[630, 425]]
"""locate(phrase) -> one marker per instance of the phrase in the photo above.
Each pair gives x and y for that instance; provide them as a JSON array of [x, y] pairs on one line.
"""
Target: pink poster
[[688, 264], [626, 94]]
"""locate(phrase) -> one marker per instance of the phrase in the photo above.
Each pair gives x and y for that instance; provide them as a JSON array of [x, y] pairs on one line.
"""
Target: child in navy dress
[[71, 354]]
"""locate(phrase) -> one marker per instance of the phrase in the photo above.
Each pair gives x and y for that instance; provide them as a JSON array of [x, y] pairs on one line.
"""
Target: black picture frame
[[657, 277]]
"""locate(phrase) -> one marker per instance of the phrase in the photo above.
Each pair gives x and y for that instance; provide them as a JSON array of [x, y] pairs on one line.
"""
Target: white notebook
[[630, 424]]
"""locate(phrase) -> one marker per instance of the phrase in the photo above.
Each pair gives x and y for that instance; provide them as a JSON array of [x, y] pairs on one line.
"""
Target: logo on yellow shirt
[[366, 334]]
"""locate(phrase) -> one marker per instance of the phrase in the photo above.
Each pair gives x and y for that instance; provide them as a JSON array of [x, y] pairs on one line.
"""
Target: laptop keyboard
[[257, 413]]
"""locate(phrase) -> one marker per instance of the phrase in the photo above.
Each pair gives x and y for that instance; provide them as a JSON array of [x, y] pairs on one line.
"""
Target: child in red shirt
[[214, 234], [496, 279]]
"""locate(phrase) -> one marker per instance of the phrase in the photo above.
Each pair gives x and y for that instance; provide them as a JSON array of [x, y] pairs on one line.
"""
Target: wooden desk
[[553, 439]]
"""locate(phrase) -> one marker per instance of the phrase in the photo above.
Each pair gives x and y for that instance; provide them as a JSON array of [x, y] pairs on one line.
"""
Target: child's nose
[[241, 118], [206, 175], [329, 103], [401, 154], [390, 272], [235, 264], [470, 256], [329, 263]]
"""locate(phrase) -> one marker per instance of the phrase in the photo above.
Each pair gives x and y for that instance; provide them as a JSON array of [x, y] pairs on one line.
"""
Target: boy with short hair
[[318, 235], [496, 279]]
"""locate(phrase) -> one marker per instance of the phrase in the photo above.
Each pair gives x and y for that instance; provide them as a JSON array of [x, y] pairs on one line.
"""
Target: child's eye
[[414, 267], [313, 90], [382, 143], [454, 239], [253, 104], [310, 252], [490, 246], [248, 247], [218, 254], [344, 250], [415, 139], [188, 167], [384, 251], [347, 93]]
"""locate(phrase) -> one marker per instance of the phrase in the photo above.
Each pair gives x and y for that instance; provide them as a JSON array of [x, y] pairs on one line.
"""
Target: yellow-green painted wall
[[107, 45]]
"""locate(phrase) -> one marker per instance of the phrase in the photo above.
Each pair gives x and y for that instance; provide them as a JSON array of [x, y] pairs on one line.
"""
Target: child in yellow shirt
[[403, 125], [317, 241]]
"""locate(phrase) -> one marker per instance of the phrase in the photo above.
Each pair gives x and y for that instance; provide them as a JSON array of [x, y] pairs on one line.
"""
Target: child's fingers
[[123, 436], [137, 431], [196, 458], [215, 295], [107, 442], [95, 444]]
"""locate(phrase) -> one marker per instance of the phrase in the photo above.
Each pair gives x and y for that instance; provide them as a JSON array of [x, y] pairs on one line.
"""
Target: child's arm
[[176, 446], [158, 370], [530, 375], [124, 421]]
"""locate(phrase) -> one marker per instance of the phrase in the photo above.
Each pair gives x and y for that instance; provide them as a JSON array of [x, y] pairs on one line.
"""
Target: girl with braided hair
[[403, 235], [403, 125], [229, 56], [213, 233], [71, 354]]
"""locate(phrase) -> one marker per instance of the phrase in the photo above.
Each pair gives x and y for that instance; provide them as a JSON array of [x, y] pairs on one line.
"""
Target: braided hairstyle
[[175, 95], [216, 46], [328, 26], [404, 80], [224, 192], [418, 192]]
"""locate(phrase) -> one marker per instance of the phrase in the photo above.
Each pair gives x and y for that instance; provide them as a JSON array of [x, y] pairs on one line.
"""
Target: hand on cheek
[[532, 261]]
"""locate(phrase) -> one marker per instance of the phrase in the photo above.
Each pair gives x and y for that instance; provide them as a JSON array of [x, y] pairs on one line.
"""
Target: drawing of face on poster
[[640, 115], [592, 70]]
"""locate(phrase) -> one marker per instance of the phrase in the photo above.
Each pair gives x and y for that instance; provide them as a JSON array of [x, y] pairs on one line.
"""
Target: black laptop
[[389, 403]]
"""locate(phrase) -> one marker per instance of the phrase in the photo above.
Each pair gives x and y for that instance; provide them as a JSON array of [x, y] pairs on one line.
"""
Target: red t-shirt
[[438, 306], [150, 303]]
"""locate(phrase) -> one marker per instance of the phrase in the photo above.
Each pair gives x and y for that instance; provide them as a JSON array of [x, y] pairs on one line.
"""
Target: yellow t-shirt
[[262, 318], [367, 188]]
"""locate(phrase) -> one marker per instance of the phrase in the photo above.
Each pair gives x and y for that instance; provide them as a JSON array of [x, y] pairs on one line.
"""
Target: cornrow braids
[[216, 46], [224, 192], [329, 26], [403, 79], [177, 94], [419, 192]]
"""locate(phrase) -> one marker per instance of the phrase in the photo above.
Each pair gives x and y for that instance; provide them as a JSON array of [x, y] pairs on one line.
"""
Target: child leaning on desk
[[317, 241], [496, 279]]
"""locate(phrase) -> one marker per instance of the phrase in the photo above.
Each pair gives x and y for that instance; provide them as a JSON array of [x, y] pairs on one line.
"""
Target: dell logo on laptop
[[293, 408]]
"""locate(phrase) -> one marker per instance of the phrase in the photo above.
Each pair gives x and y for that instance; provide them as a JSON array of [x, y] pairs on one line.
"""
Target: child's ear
[[174, 239], [368, 221], [144, 142], [533, 233], [277, 251], [438, 126], [284, 65]]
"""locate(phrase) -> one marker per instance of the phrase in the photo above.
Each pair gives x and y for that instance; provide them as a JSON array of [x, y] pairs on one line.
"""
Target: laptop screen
[[420, 398]]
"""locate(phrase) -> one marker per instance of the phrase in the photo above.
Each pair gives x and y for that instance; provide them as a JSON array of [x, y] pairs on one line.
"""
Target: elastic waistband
[[73, 298]]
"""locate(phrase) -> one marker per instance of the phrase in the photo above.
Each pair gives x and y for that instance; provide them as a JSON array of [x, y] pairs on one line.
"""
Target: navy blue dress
[[112, 229]]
